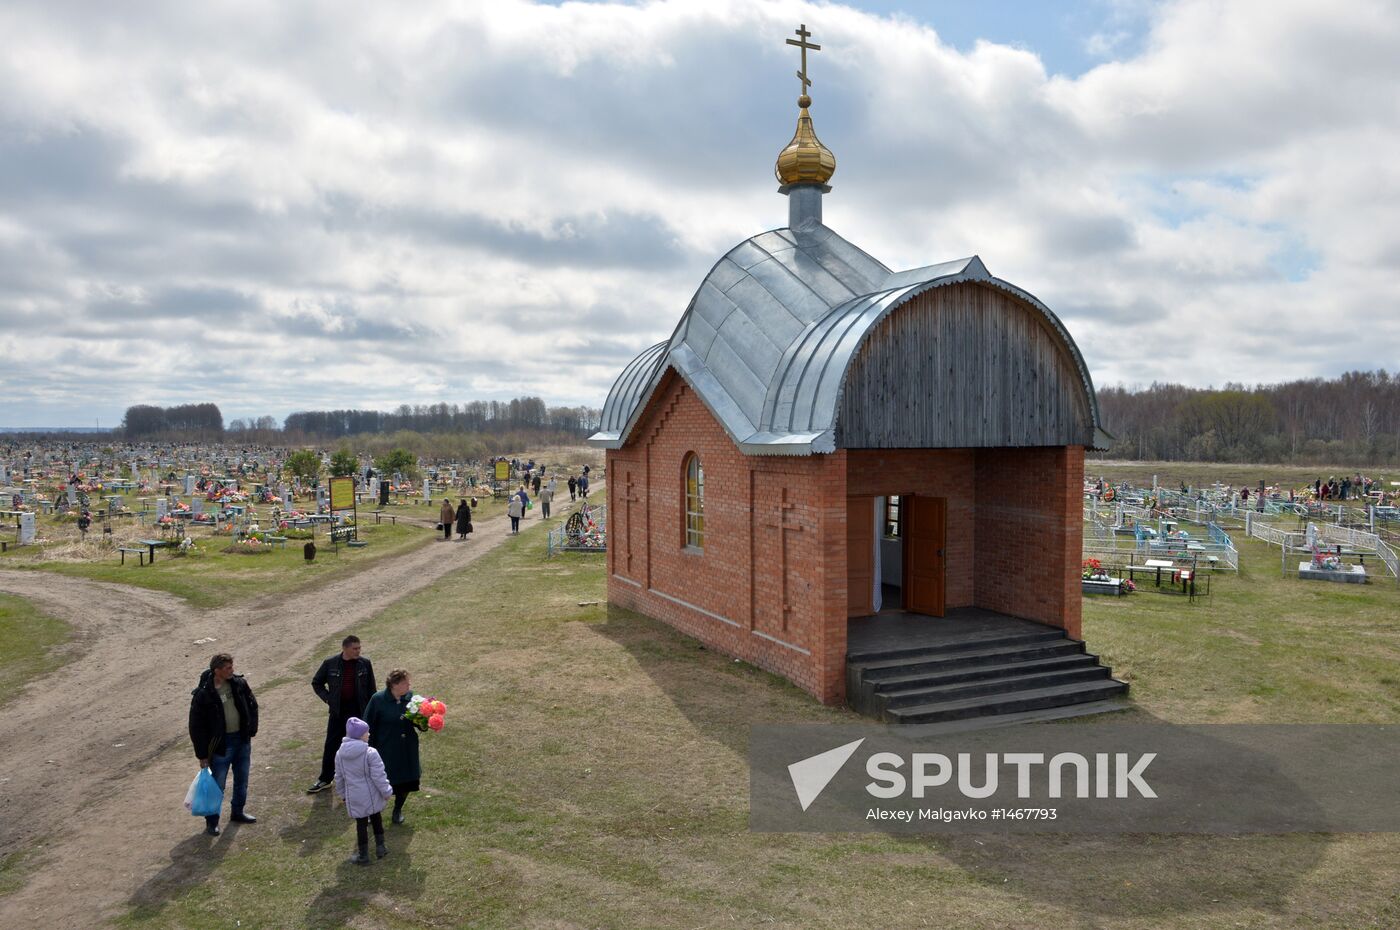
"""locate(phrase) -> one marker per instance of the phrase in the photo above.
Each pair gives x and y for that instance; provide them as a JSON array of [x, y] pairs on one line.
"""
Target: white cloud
[[365, 204]]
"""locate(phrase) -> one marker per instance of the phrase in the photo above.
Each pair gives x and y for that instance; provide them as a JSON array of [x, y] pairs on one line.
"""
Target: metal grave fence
[[584, 530]]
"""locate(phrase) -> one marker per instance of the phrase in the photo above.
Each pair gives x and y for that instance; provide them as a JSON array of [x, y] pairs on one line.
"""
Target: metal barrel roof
[[773, 328]]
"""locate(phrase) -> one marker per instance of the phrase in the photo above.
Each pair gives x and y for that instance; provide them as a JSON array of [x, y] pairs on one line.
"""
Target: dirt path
[[96, 755]]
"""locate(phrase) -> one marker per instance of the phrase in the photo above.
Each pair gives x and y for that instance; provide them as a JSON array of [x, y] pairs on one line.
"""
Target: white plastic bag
[[189, 795]]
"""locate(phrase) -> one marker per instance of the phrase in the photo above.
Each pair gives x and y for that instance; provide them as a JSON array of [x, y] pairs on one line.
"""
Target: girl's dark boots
[[380, 850], [361, 856]]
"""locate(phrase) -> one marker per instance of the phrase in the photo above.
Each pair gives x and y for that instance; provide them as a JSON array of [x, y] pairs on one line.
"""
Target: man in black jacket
[[223, 722], [346, 683]]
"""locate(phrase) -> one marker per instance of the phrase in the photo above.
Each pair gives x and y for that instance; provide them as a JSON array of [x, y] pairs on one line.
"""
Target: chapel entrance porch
[[896, 546], [903, 667]]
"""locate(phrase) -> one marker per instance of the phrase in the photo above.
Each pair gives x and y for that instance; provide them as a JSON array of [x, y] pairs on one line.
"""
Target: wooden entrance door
[[925, 523], [860, 556]]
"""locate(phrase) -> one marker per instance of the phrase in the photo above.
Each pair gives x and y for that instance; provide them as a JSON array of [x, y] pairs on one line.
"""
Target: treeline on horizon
[[469, 430], [1350, 420]]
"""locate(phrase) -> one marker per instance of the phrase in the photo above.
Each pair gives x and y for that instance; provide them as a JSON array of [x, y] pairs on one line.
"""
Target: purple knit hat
[[356, 728]]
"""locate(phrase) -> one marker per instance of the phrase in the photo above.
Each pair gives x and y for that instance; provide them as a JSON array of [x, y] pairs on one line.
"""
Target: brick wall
[[1029, 533], [769, 585]]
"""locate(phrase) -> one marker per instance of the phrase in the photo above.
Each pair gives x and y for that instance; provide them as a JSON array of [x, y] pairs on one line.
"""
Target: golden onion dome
[[805, 160]]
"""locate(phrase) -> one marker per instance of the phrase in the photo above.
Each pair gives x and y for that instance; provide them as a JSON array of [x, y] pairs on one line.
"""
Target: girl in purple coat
[[360, 780]]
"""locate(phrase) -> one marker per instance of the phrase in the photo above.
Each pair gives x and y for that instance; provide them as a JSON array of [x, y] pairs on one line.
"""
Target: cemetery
[[823, 493]]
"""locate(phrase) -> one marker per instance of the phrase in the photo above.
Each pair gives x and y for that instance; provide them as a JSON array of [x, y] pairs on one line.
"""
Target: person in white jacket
[[360, 780]]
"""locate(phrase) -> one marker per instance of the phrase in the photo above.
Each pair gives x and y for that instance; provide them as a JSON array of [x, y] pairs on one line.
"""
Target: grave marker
[[26, 528], [161, 508], [196, 505], [189, 483]]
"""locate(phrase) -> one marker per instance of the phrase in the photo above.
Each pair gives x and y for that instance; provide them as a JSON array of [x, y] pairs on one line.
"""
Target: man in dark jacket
[[223, 722], [346, 683]]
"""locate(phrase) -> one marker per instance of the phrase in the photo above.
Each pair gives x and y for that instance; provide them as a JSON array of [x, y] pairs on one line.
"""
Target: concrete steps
[[981, 676]]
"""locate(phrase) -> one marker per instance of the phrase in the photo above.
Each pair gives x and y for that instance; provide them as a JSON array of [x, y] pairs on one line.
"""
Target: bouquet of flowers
[[425, 713]]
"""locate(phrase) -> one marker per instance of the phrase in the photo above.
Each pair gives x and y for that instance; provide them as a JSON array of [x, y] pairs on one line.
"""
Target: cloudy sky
[[299, 205]]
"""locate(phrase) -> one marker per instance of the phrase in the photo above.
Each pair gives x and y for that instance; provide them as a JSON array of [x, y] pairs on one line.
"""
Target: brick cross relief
[[629, 497], [783, 527]]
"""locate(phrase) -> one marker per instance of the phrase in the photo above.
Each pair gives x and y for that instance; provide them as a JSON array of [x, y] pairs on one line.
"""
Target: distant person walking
[[536, 485], [573, 488], [515, 509], [464, 520], [445, 518], [583, 487], [546, 498], [360, 779], [395, 738], [345, 682], [223, 722]]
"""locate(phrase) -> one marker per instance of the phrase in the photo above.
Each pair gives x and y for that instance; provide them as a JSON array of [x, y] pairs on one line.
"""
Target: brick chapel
[[823, 439]]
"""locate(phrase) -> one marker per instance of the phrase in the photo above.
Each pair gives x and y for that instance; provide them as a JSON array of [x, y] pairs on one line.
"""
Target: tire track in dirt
[[96, 754]]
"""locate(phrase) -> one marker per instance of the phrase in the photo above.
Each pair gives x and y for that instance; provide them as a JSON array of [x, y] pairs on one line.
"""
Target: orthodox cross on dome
[[801, 42]]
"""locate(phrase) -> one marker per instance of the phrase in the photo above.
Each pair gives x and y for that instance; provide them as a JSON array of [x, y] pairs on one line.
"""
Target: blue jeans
[[238, 753]]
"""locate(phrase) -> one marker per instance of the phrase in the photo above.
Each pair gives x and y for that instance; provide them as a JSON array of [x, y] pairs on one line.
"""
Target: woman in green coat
[[394, 737]]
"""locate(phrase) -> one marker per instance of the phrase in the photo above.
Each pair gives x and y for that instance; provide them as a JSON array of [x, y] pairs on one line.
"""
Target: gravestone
[[320, 498], [112, 505], [72, 495], [196, 505], [161, 508], [427, 490], [374, 488], [26, 528], [4, 475]]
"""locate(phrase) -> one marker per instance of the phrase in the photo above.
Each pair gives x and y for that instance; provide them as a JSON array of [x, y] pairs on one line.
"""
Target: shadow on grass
[[357, 885], [191, 862], [1142, 875], [717, 694], [325, 819], [1104, 876]]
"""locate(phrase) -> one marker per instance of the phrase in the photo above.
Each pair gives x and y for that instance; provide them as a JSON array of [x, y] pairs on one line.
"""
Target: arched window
[[694, 502]]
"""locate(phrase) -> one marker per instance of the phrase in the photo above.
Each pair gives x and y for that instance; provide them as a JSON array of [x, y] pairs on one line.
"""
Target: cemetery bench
[[1160, 564], [139, 553], [391, 517], [280, 541], [153, 545]]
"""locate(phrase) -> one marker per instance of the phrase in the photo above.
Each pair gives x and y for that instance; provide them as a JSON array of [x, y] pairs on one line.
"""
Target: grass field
[[30, 644], [593, 774]]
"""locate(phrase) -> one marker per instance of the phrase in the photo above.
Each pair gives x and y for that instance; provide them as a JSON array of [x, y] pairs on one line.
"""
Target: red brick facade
[[769, 585]]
